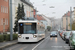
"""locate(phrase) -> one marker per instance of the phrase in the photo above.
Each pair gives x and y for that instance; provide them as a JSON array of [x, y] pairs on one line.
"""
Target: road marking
[[39, 43], [14, 47]]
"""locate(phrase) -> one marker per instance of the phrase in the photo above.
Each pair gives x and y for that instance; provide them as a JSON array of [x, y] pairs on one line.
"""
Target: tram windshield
[[27, 28]]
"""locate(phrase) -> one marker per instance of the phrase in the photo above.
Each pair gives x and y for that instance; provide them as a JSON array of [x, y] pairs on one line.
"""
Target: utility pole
[[11, 29], [71, 18], [66, 21]]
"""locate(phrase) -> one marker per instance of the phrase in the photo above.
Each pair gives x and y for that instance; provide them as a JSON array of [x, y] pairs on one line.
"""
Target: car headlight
[[34, 36], [55, 34], [19, 36]]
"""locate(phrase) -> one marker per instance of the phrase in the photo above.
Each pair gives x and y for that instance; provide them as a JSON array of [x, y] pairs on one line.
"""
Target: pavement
[[7, 44]]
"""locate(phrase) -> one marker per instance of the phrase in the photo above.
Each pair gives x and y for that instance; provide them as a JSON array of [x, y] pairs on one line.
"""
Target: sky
[[60, 7]]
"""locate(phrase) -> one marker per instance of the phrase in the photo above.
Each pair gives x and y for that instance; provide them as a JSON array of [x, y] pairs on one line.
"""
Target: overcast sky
[[61, 7]]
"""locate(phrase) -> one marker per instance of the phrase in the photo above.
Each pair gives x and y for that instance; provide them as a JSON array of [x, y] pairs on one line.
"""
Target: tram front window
[[28, 28]]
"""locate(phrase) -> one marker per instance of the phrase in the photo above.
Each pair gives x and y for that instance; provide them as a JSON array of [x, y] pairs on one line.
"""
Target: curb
[[1, 48]]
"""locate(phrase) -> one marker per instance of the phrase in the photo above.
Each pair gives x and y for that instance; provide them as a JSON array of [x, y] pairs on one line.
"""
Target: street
[[49, 43]]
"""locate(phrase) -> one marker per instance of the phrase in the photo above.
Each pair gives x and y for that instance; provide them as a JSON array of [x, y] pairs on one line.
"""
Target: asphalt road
[[49, 43]]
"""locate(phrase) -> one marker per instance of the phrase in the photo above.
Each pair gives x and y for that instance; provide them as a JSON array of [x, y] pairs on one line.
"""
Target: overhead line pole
[[11, 29], [71, 18], [66, 21]]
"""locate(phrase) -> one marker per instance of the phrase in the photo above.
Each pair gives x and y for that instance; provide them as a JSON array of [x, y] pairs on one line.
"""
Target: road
[[53, 43]]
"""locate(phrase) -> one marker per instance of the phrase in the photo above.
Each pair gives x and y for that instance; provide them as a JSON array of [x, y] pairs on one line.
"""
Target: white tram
[[30, 31]]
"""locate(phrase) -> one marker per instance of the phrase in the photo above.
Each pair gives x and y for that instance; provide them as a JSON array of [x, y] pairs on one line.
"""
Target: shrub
[[15, 36], [48, 28], [1, 38], [6, 37]]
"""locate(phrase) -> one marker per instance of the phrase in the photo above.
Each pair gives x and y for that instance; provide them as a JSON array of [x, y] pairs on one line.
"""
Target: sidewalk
[[6, 44]]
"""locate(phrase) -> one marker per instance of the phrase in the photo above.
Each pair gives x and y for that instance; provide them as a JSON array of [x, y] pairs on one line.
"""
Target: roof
[[67, 14], [39, 17]]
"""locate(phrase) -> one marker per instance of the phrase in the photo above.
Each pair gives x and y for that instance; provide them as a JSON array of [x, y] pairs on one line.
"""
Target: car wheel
[[69, 43], [71, 48]]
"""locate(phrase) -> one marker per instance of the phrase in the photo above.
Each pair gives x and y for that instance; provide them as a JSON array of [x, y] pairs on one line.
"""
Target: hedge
[[6, 37]]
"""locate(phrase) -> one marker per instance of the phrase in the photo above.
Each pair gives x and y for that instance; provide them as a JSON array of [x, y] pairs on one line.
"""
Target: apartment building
[[4, 15], [64, 19]]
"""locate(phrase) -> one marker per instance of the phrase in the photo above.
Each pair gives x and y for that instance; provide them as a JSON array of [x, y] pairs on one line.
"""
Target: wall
[[4, 15]]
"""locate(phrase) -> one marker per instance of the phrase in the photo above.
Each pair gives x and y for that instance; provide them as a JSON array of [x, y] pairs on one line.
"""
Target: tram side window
[[21, 28]]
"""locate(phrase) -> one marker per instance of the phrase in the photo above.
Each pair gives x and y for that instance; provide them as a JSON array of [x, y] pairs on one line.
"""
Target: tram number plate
[[27, 37]]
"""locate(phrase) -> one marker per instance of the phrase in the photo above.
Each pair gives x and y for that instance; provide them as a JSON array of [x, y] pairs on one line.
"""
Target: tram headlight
[[19, 36], [34, 36]]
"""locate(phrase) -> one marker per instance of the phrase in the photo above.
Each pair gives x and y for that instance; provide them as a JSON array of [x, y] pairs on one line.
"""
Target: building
[[73, 15], [34, 13], [42, 20], [47, 22], [64, 19], [47, 19], [4, 15], [28, 8]]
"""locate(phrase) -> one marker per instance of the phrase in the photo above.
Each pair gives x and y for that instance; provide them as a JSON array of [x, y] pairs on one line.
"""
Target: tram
[[30, 31]]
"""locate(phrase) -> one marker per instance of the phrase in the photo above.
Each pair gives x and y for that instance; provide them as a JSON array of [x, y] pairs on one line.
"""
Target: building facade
[[65, 18], [28, 8], [47, 22], [4, 15], [42, 20]]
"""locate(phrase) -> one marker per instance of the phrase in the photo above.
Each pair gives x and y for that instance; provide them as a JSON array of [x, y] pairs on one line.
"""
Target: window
[[1, 8], [2, 21], [5, 9], [7, 21], [27, 28], [6, 0]]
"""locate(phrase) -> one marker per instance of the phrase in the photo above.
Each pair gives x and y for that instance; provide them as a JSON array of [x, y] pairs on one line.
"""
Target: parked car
[[60, 32], [63, 35], [53, 34], [72, 40], [67, 35]]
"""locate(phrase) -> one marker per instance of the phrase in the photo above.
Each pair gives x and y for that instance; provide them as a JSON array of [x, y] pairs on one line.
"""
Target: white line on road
[[39, 43]]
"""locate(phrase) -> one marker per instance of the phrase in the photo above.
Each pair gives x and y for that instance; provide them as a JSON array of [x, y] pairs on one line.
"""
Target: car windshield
[[68, 33], [53, 32], [27, 28]]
